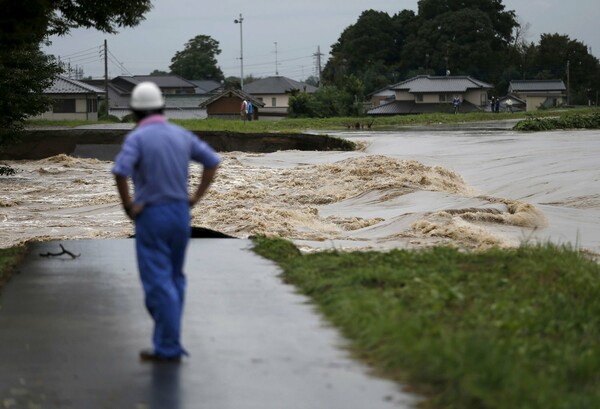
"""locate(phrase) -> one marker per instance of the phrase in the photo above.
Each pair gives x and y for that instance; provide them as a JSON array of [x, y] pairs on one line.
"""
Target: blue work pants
[[162, 234]]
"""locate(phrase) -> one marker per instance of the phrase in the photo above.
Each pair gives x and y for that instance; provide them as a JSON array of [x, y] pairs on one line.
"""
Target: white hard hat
[[146, 96]]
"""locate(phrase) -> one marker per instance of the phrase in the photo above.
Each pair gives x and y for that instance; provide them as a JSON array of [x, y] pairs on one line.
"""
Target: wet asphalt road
[[71, 330]]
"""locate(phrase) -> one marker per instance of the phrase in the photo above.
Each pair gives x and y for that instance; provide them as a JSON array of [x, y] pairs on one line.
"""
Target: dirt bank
[[103, 144]]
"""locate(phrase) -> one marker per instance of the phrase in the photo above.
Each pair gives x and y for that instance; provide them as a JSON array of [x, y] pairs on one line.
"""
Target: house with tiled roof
[[72, 100], [227, 104], [182, 98], [539, 93], [275, 93], [207, 87], [427, 94]]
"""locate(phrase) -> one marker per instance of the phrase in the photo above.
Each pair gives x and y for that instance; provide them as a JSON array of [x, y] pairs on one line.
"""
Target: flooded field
[[470, 188]]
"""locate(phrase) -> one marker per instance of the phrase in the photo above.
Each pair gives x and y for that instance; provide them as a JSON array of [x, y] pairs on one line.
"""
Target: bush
[[568, 121], [127, 118], [302, 106]]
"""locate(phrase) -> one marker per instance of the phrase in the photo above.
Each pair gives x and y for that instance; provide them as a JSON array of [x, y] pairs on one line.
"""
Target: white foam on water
[[402, 190]]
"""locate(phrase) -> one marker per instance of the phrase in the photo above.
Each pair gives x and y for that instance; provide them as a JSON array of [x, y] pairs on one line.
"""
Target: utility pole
[[240, 21], [276, 63], [568, 82], [317, 56], [106, 100]]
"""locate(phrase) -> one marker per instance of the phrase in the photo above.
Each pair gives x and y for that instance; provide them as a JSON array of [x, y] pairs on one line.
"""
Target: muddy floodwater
[[473, 188]]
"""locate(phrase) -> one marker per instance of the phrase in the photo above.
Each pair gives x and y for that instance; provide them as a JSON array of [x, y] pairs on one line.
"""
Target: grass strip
[[568, 121], [506, 329], [324, 124], [9, 260]]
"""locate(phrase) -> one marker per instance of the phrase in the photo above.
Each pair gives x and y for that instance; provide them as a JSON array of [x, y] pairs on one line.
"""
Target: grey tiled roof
[[232, 93], [537, 85], [411, 107], [184, 101], [277, 85], [64, 85], [163, 81], [429, 84], [207, 86]]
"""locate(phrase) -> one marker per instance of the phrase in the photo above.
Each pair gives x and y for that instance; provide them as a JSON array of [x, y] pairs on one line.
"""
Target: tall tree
[[24, 70], [556, 53], [198, 60], [369, 49], [466, 37]]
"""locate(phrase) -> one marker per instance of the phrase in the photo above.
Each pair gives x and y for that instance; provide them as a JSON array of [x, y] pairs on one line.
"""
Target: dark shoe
[[149, 355]]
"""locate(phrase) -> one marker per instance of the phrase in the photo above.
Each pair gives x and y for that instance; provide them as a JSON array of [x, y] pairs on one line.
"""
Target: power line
[[87, 51], [119, 63]]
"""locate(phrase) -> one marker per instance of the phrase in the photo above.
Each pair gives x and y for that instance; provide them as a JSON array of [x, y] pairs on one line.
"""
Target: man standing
[[156, 156], [456, 104], [249, 110], [243, 110]]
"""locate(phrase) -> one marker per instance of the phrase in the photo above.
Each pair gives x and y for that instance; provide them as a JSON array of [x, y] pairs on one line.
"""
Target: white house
[[424, 94], [275, 93], [72, 100], [539, 93]]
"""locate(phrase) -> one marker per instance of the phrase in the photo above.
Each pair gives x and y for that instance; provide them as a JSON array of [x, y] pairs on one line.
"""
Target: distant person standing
[[497, 106], [249, 110], [244, 110], [456, 104], [156, 155]]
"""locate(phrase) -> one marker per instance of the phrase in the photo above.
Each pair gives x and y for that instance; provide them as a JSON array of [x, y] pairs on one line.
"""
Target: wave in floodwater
[[348, 202]]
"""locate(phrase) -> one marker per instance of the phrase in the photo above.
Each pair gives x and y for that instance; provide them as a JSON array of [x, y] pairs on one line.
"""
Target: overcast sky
[[297, 27]]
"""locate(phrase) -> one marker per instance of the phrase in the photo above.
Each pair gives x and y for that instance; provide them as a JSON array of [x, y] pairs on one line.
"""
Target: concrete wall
[[404, 96], [282, 102], [77, 116], [172, 113], [476, 97], [80, 113]]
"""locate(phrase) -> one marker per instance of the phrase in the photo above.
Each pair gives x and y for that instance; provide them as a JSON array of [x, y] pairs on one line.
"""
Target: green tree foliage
[[24, 74], [557, 52], [302, 105], [24, 70], [198, 60], [106, 16], [159, 72], [467, 37], [369, 49], [329, 101], [480, 38], [312, 80]]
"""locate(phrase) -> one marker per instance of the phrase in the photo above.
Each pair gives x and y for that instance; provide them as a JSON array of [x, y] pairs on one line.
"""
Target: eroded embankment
[[104, 143]]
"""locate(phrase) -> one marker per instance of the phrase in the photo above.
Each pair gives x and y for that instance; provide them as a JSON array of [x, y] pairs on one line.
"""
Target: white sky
[[297, 27]]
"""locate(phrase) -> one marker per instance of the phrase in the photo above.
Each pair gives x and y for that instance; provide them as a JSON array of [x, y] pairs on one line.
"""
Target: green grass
[[9, 259], [496, 329], [568, 121], [301, 125], [33, 123]]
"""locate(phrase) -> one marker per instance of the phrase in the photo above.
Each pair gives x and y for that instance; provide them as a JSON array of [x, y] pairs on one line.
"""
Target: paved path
[[70, 332]]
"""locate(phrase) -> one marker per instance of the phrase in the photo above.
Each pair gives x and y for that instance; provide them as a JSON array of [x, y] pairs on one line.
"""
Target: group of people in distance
[[246, 110]]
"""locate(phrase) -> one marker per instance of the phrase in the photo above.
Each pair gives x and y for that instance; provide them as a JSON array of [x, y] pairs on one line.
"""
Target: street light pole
[[240, 21]]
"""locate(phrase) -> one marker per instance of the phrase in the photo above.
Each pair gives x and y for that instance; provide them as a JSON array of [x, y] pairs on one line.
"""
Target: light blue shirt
[[156, 155]]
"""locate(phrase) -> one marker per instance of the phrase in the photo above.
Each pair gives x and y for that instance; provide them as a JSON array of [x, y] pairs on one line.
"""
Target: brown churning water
[[372, 199]]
